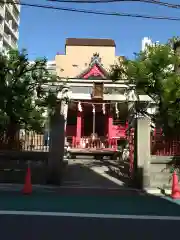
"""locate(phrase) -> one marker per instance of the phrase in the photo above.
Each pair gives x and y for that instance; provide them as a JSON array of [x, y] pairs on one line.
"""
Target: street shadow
[[83, 175], [117, 169], [122, 200], [120, 171], [101, 173]]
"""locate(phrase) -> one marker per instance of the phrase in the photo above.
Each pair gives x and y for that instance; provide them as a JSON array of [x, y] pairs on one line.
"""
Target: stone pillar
[[56, 148], [64, 112], [142, 152]]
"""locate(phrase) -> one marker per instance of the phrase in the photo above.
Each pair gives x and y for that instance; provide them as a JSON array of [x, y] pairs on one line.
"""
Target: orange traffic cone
[[175, 194], [27, 185]]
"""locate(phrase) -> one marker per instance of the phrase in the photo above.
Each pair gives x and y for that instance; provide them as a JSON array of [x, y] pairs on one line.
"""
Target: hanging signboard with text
[[98, 90]]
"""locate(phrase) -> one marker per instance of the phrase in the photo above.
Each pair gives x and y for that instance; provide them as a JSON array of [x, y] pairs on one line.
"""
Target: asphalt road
[[68, 228], [52, 205]]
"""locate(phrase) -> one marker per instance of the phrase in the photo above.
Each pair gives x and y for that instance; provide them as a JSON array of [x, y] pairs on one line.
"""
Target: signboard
[[98, 90]]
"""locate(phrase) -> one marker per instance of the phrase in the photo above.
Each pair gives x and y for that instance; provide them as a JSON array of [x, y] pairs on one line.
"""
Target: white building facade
[[51, 66], [146, 41], [9, 24]]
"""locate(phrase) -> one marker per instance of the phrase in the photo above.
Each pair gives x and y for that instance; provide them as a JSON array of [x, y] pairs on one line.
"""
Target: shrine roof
[[90, 42], [95, 69]]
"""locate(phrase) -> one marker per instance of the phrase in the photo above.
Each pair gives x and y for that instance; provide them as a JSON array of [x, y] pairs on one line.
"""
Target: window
[[79, 89], [52, 71], [113, 90]]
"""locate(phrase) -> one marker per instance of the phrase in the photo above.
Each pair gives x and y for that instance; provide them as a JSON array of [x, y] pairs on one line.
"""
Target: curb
[[158, 192], [45, 188]]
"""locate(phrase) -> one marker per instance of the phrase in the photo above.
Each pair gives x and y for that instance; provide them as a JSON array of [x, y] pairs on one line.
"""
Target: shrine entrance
[[94, 122], [87, 126], [101, 124]]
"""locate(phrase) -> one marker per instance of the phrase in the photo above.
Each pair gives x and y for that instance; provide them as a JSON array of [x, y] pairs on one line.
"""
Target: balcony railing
[[13, 43], [16, 14], [1, 10], [17, 6], [10, 6], [7, 37], [9, 23], [13, 12], [13, 31], [1, 28]]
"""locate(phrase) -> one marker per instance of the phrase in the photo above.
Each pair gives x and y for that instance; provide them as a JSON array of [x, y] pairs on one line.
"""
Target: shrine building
[[97, 105]]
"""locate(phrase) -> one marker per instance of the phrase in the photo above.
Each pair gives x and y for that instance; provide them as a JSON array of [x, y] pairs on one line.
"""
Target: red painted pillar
[[82, 125], [78, 126], [110, 126]]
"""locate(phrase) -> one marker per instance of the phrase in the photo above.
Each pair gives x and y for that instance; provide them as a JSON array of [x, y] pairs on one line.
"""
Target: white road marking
[[89, 215]]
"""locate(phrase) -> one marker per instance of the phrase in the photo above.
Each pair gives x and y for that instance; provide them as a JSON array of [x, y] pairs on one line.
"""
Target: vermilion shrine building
[[98, 105]]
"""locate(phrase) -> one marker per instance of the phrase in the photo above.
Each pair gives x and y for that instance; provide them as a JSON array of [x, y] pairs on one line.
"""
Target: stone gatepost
[[142, 152], [56, 147]]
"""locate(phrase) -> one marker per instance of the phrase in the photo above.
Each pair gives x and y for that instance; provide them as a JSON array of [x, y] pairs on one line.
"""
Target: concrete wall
[[13, 166]]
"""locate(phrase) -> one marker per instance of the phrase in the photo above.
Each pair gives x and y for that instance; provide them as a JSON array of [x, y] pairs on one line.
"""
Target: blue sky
[[43, 32]]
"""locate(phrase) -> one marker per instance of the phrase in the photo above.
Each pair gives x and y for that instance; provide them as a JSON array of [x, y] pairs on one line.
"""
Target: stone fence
[[161, 168], [13, 166], [150, 170]]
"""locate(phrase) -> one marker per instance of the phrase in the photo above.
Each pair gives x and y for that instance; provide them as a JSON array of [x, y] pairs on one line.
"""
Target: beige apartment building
[[78, 55]]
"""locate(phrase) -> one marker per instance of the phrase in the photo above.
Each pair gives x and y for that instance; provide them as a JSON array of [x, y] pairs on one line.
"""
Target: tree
[[154, 72], [24, 95]]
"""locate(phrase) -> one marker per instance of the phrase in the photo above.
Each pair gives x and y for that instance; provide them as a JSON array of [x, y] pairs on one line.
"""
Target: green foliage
[[154, 72], [24, 92]]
